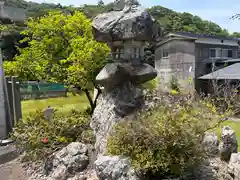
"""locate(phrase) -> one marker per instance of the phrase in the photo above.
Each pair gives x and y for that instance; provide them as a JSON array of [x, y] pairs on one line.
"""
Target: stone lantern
[[127, 29]]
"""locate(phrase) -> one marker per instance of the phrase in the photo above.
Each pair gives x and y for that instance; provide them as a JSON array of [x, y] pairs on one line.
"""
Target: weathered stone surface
[[65, 163], [234, 166], [114, 74], [235, 158], [228, 143], [211, 143], [87, 175], [113, 105], [141, 73], [114, 168], [212, 169], [60, 172], [48, 113], [234, 171], [129, 22]]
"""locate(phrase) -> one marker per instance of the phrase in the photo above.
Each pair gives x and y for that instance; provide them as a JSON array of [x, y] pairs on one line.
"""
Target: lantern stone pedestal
[[127, 30]]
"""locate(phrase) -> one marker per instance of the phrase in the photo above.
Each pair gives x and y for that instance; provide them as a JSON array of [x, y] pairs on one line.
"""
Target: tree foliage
[[173, 21], [61, 49]]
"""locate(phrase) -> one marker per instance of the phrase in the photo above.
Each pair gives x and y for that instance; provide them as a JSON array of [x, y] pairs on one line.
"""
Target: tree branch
[[87, 93]]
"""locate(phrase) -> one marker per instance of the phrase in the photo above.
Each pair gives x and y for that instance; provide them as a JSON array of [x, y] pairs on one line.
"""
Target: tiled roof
[[196, 35], [220, 60], [229, 72]]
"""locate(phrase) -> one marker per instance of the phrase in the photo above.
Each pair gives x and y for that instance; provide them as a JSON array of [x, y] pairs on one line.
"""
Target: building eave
[[171, 39], [201, 39], [180, 36]]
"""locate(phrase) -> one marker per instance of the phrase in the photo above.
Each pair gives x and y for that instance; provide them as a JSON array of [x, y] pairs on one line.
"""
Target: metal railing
[[41, 90]]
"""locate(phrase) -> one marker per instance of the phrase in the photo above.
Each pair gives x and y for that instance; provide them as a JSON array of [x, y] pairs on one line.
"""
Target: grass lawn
[[236, 127], [63, 104]]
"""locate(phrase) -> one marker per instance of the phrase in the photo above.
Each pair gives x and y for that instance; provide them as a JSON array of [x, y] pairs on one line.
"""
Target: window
[[135, 53], [212, 53], [119, 52], [227, 53], [230, 53], [218, 53], [215, 53], [165, 54], [128, 28]]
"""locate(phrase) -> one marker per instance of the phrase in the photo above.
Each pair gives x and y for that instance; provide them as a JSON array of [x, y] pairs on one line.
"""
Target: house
[[188, 56], [11, 14]]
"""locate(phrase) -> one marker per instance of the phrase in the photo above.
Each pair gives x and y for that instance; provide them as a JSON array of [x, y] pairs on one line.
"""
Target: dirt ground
[[12, 171]]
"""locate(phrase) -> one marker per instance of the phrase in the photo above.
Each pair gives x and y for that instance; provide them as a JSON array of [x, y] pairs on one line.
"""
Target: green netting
[[35, 87]]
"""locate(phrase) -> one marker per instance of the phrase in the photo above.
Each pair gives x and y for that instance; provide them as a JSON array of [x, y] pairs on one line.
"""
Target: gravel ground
[[10, 168], [12, 171]]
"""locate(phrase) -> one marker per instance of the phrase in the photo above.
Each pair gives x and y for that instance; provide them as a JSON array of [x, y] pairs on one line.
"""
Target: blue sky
[[218, 11]]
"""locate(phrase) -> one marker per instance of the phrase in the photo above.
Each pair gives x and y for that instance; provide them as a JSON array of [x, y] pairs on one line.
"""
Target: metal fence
[[41, 90], [16, 91]]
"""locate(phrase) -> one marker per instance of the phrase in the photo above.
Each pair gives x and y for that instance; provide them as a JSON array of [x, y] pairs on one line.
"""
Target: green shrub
[[165, 141], [152, 84], [174, 83], [40, 138]]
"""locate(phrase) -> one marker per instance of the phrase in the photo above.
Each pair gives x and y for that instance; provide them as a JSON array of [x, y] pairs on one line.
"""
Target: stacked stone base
[[234, 166], [113, 105]]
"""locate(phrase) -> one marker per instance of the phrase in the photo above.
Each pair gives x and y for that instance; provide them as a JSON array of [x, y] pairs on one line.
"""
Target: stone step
[[8, 153]]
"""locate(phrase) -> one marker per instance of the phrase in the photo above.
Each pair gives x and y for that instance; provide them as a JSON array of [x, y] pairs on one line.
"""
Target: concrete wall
[[180, 63]]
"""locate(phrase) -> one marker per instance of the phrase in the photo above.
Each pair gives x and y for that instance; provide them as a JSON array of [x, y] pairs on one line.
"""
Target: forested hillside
[[171, 21]]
